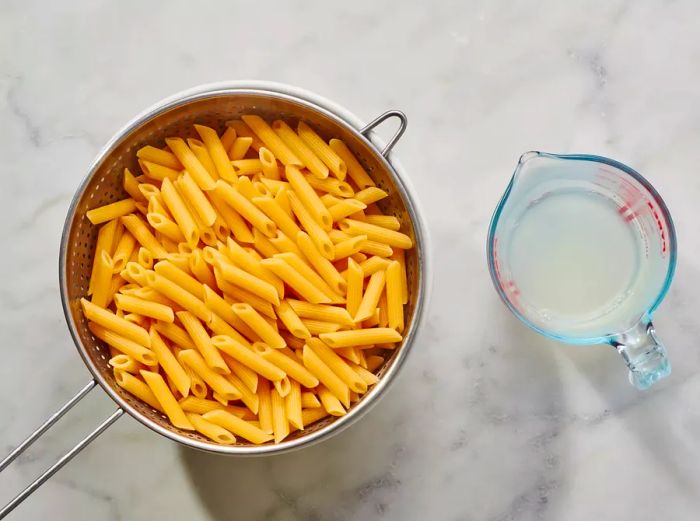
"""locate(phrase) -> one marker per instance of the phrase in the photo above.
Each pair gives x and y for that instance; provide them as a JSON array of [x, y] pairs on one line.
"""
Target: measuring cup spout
[[644, 355]]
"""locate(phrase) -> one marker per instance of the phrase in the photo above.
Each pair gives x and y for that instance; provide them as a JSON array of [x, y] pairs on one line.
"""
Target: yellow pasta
[[371, 297], [138, 388], [237, 294], [123, 344], [354, 169], [217, 151], [331, 185], [251, 317], [308, 197], [203, 342], [326, 376], [275, 212], [232, 219], [322, 265], [376, 233], [160, 157], [322, 150], [271, 140], [112, 322], [105, 243], [268, 163], [237, 426], [300, 149], [157, 172], [180, 277], [201, 270], [361, 337], [245, 374], [371, 266], [330, 402], [143, 235], [246, 261], [185, 155], [239, 148], [196, 199], [370, 195], [265, 406], [292, 403], [169, 363], [218, 383], [283, 386], [287, 362], [144, 307], [309, 400], [131, 186], [349, 353], [102, 279], [374, 362], [180, 212], [295, 280], [248, 357], [123, 251], [123, 362], [313, 228], [227, 138], [247, 166], [245, 208], [284, 244], [177, 294], [203, 406], [394, 296], [385, 221], [164, 225], [211, 430], [280, 425], [144, 258], [321, 312], [111, 211], [248, 397], [248, 282], [202, 154], [292, 321], [175, 334], [166, 399], [336, 364]]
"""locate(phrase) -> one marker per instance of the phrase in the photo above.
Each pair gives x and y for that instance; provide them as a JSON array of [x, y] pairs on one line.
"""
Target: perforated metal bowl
[[212, 106]]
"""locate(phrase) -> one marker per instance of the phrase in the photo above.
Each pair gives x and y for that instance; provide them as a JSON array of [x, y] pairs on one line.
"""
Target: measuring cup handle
[[65, 458], [644, 354]]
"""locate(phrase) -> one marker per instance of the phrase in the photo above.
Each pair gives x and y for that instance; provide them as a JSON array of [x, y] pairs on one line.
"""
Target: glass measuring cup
[[582, 249]]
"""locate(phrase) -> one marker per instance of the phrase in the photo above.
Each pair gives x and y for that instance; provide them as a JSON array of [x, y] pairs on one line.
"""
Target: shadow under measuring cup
[[582, 249]]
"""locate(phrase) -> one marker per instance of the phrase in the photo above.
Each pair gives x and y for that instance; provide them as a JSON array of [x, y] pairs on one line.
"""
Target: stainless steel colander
[[212, 106]]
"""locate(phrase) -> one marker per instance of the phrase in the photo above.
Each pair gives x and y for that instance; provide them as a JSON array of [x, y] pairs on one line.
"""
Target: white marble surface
[[488, 421]]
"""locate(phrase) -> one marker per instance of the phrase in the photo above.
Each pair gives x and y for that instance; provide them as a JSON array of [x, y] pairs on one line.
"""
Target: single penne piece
[[370, 266], [278, 215], [201, 270], [160, 157], [383, 320], [105, 243], [370, 195], [322, 265], [220, 327], [296, 262], [368, 377], [256, 322], [131, 187], [232, 219], [196, 199], [246, 261], [245, 208], [376, 233], [263, 245], [221, 229], [354, 169], [114, 286], [112, 322], [248, 397], [330, 402], [310, 416], [399, 255], [198, 387], [385, 221], [330, 200], [308, 197], [284, 244], [248, 357], [292, 403], [181, 260], [246, 167], [185, 155], [300, 149], [326, 376], [124, 362], [321, 149], [180, 277], [244, 373], [274, 185], [287, 362], [280, 424], [243, 130], [394, 297], [248, 282], [169, 363], [237, 294], [265, 406], [122, 252], [178, 294], [203, 406], [227, 138], [323, 312], [218, 383], [314, 229], [316, 327], [166, 399], [355, 278], [202, 341], [361, 337], [339, 366], [145, 258], [143, 235], [111, 211], [296, 281], [371, 297], [211, 430], [283, 386], [269, 163], [345, 208], [180, 212], [164, 225], [175, 334], [349, 353], [309, 400], [331, 185], [202, 154], [374, 362], [102, 282], [123, 344], [217, 151], [157, 172], [282, 198], [138, 388], [271, 140], [349, 247], [237, 426], [292, 321], [238, 149], [143, 307]]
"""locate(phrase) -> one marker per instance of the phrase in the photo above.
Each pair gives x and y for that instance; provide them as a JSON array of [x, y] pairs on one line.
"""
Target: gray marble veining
[[487, 421]]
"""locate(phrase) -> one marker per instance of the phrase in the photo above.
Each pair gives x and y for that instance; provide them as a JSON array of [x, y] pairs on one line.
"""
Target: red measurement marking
[[659, 225]]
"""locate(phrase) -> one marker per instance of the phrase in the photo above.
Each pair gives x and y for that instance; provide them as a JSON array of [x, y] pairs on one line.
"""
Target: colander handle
[[65, 458], [403, 123]]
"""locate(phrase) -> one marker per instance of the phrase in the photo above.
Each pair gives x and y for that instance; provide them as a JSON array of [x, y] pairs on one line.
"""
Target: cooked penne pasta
[[218, 383], [291, 320], [371, 297], [248, 357], [321, 312], [238, 150], [247, 376], [309, 400], [312, 227], [180, 213], [248, 397], [292, 403], [296, 262], [166, 399], [202, 154], [370, 195], [247, 166], [280, 424], [374, 362], [271, 140], [248, 282], [138, 388], [322, 265], [268, 163], [376, 233], [326, 376], [385, 221], [157, 172], [160, 157], [361, 337], [203, 406], [112, 322], [308, 197], [295, 280], [394, 296], [265, 406], [111, 211], [143, 307], [178, 295], [300, 149], [211, 430], [180, 277], [331, 185], [102, 279], [196, 199], [175, 334], [143, 235], [217, 150], [256, 322], [185, 155], [245, 208], [131, 187], [345, 208], [123, 344], [339, 366], [169, 363], [105, 243], [354, 169], [330, 402], [322, 150], [123, 251], [203, 342], [285, 360], [124, 362], [237, 426], [246, 261]]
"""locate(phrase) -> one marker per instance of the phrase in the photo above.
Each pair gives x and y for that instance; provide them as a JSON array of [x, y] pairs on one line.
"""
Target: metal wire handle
[[403, 123], [65, 458]]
